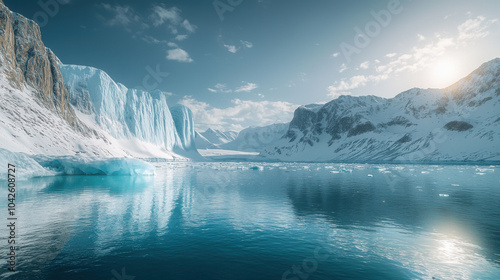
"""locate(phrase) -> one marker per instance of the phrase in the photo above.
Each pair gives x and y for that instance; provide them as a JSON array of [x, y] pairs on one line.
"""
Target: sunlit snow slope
[[458, 123]]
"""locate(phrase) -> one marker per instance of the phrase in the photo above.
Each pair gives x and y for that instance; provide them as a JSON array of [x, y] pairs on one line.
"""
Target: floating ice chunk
[[25, 166], [370, 175], [81, 166], [483, 170], [425, 172], [335, 172], [257, 167], [444, 195]]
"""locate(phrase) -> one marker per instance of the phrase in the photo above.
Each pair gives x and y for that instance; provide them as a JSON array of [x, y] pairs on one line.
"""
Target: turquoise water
[[272, 221]]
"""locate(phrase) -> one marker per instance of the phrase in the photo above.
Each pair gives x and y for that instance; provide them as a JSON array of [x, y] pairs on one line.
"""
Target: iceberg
[[25, 166], [71, 165]]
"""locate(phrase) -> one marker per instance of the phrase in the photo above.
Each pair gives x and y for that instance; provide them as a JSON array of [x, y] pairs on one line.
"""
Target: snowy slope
[[213, 138], [203, 143], [255, 139], [218, 137], [459, 123]]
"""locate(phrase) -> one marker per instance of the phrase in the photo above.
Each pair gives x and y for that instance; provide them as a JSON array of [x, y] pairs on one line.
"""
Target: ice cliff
[[53, 109]]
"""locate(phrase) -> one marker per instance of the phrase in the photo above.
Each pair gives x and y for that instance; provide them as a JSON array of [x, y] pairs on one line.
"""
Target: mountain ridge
[[370, 128]]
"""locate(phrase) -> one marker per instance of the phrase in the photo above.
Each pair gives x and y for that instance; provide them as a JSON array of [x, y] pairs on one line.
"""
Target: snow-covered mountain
[[213, 138], [53, 109], [458, 123], [255, 139]]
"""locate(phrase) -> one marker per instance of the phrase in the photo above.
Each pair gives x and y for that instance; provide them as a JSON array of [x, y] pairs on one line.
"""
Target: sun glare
[[444, 73]]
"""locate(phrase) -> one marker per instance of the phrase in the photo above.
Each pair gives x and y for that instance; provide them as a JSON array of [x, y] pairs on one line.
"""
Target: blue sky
[[240, 63]]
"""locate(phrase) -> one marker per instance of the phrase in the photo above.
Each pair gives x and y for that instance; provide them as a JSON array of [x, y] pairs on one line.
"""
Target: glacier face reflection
[[248, 221]]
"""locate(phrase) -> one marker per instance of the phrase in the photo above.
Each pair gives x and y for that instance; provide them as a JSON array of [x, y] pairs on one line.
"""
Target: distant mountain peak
[[459, 123]]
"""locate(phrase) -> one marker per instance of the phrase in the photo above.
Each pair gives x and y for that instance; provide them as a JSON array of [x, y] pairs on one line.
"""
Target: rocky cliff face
[[458, 123], [27, 62]]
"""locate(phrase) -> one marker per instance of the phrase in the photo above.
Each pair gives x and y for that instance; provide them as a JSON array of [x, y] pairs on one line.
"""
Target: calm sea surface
[[260, 221]]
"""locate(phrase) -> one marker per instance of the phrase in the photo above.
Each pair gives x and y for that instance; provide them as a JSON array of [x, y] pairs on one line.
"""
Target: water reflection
[[230, 221]]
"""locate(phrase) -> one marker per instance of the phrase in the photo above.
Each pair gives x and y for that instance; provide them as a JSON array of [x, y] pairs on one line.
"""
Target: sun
[[444, 72]]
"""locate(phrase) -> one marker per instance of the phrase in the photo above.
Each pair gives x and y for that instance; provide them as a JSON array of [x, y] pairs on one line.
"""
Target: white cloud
[[222, 88], [181, 37], [124, 16], [343, 67], [235, 48], [365, 65], [336, 54], [241, 113], [344, 86], [172, 45], [178, 55], [248, 87], [420, 37], [474, 28], [231, 48], [163, 15], [247, 44], [188, 26], [418, 58], [172, 18], [153, 40]]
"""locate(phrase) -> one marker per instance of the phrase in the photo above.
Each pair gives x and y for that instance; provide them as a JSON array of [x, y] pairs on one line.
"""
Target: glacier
[[49, 108], [125, 113]]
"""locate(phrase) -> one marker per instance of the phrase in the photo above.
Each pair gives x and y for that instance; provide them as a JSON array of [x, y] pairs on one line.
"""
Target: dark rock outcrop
[[458, 126], [28, 63]]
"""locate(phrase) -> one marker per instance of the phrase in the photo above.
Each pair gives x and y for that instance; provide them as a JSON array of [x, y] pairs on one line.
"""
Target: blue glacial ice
[[41, 166], [71, 165], [25, 166], [129, 113]]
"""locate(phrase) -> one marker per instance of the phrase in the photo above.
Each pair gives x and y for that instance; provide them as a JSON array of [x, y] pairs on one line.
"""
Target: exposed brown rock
[[28, 63]]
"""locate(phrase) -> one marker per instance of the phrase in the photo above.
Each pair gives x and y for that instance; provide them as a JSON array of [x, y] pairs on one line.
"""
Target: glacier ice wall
[[126, 113], [184, 124]]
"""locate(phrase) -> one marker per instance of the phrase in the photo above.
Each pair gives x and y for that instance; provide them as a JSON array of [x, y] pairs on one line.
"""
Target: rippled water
[[272, 221]]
